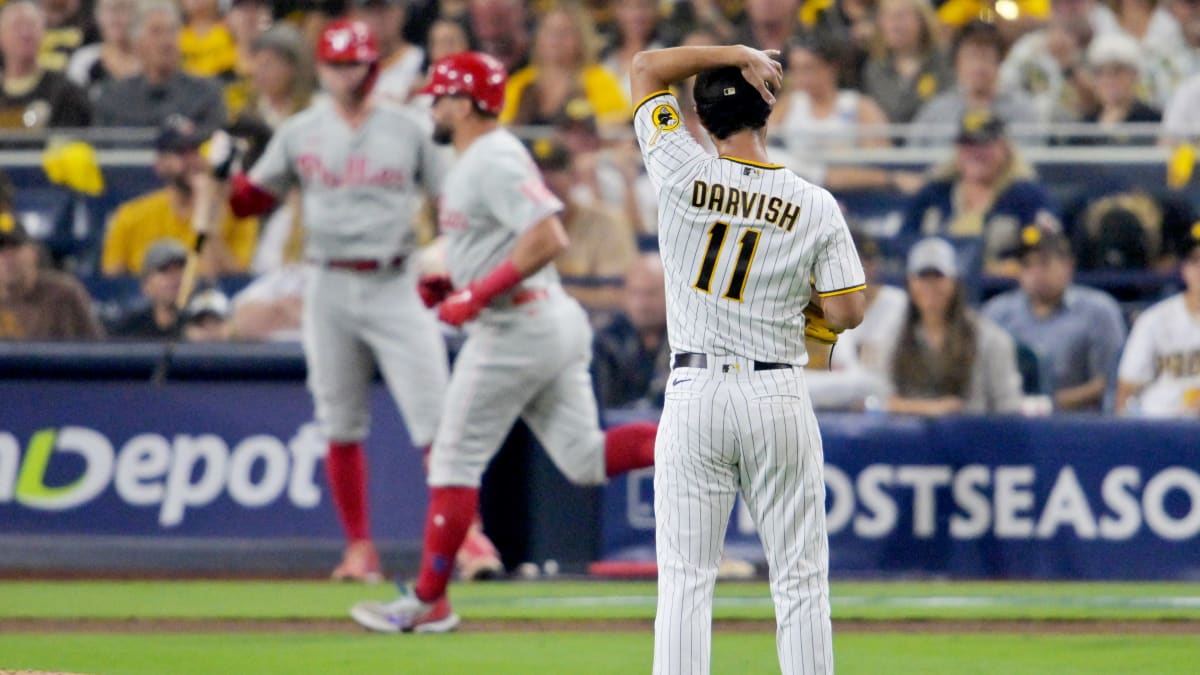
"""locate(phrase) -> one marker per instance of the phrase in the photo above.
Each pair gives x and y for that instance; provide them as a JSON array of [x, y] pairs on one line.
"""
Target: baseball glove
[[815, 327]]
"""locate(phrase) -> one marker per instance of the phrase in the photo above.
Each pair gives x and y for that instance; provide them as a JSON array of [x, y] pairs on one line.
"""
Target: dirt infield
[[300, 626]]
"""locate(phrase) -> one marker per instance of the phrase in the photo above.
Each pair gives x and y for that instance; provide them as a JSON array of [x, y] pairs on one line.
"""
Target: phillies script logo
[[355, 172]]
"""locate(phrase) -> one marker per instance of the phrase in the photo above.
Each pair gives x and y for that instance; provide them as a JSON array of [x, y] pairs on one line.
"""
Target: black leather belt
[[693, 360]]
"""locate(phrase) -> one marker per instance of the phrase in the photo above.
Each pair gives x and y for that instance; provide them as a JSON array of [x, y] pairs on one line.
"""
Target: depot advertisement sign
[[202, 459], [169, 474], [1062, 498]]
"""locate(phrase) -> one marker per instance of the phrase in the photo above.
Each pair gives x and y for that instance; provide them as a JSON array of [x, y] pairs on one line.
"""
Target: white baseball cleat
[[406, 614]]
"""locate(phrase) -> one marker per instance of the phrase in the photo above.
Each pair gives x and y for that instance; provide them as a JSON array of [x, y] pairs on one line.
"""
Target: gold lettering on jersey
[[731, 201]]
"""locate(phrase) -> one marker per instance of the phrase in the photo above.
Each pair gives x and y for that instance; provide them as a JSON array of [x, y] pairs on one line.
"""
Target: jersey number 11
[[746, 246]]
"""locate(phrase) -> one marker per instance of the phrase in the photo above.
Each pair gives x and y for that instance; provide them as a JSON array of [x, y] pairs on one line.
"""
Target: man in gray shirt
[[1081, 330], [161, 89], [978, 53]]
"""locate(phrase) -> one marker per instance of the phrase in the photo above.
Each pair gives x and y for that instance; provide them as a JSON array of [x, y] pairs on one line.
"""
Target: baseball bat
[[191, 270]]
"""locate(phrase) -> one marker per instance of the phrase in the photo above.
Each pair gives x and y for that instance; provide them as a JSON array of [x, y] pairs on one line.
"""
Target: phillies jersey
[[742, 244], [492, 195], [361, 187]]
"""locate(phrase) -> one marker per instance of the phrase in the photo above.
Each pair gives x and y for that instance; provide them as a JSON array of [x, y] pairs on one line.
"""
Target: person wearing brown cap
[[1079, 329], [1159, 374], [38, 304], [982, 198]]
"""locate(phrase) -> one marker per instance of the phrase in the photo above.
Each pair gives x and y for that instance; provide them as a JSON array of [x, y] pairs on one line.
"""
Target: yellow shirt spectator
[[594, 82], [209, 55], [139, 223]]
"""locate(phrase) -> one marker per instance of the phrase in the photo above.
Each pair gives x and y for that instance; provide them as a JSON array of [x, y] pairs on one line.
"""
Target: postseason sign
[[1084, 497]]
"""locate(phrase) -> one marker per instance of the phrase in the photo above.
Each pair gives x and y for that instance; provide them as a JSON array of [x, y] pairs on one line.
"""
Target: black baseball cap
[[726, 87], [979, 126], [12, 232], [178, 134], [1035, 239]]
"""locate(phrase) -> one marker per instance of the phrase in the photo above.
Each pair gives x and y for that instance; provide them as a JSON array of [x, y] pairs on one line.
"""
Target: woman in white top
[[813, 116]]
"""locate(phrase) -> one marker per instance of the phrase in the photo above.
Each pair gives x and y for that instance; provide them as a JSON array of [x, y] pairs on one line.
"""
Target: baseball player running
[[743, 244], [528, 343], [361, 169]]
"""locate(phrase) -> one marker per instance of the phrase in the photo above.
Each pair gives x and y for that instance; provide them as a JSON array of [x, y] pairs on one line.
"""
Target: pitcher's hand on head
[[764, 72]]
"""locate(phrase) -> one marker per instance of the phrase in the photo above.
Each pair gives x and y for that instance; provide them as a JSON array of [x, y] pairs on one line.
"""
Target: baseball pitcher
[[756, 259]]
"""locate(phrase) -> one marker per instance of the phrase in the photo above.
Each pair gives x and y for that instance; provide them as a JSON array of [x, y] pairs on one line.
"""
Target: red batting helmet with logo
[[473, 74], [347, 41]]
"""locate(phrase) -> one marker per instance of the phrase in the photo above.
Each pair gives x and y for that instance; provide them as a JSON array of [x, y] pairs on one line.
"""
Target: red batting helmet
[[473, 74], [347, 41]]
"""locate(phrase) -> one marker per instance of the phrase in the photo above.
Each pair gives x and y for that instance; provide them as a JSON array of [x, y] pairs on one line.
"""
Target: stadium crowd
[[977, 300]]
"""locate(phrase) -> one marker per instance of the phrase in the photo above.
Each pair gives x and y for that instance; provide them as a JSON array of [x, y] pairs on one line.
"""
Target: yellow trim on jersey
[[643, 102], [760, 165], [830, 294]]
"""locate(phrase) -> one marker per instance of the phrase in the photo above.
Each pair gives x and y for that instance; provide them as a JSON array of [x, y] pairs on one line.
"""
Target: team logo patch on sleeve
[[666, 118]]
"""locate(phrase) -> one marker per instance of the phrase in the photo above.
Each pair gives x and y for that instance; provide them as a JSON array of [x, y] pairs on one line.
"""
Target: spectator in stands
[[1173, 66], [1048, 64], [501, 28], [982, 199], [1117, 224], [32, 97], [857, 369], [69, 26], [206, 47], [848, 22], [160, 90], [271, 307], [813, 116], [770, 24], [246, 20], [1114, 60], [637, 24], [154, 316], [978, 52], [1079, 329], [282, 77], [905, 68], [947, 359], [1149, 23], [206, 318], [38, 304], [1159, 374], [563, 68], [631, 357], [113, 57], [445, 38], [602, 241], [400, 62], [167, 213]]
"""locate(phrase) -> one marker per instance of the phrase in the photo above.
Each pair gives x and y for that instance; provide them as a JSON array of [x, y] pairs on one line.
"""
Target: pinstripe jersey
[[741, 244]]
